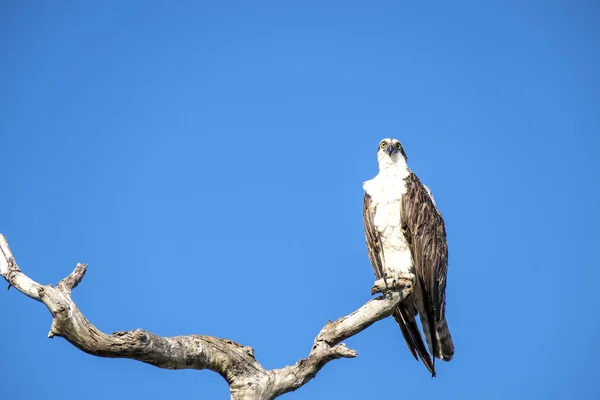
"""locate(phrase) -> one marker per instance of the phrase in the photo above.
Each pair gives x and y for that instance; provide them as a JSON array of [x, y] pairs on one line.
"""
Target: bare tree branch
[[247, 379]]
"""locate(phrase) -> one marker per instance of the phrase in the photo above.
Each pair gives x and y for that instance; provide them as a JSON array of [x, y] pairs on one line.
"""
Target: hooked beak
[[390, 149]]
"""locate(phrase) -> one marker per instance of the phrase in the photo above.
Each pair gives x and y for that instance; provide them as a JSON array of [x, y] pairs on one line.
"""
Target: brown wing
[[425, 232], [374, 247], [406, 311]]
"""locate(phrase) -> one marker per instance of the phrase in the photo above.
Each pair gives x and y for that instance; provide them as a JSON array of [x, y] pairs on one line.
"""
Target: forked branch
[[247, 379]]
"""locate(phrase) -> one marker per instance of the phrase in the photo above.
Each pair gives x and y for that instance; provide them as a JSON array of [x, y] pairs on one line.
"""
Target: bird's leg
[[393, 280], [390, 274], [386, 275]]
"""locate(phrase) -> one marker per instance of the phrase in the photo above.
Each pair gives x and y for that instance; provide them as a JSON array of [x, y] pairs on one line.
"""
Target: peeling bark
[[247, 379]]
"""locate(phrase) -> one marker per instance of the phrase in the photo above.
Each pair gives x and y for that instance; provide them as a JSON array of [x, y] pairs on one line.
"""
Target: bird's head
[[390, 151]]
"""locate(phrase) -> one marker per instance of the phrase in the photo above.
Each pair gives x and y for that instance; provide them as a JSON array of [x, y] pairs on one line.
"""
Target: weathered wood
[[247, 379]]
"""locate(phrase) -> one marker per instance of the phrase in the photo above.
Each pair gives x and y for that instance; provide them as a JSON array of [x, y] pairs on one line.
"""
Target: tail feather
[[445, 345], [442, 347], [412, 337]]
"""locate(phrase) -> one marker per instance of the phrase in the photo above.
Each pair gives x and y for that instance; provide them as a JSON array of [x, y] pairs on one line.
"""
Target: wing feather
[[425, 232], [374, 246]]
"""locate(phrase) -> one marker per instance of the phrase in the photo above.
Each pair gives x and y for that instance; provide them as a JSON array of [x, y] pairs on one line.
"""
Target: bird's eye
[[398, 145], [382, 145]]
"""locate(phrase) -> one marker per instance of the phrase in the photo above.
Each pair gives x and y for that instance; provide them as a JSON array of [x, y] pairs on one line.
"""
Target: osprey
[[406, 237]]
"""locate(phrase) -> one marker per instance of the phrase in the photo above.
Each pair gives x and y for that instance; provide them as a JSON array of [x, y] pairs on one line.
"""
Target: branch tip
[[70, 282], [344, 352]]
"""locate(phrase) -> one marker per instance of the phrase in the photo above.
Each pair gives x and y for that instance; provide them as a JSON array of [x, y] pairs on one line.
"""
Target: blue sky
[[207, 162]]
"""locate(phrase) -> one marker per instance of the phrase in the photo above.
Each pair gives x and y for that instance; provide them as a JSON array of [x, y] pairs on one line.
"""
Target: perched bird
[[406, 235]]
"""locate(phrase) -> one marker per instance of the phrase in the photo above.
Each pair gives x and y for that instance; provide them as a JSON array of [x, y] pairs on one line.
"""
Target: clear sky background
[[207, 161]]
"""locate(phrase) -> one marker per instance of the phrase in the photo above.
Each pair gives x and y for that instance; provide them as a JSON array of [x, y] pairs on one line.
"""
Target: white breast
[[386, 191]]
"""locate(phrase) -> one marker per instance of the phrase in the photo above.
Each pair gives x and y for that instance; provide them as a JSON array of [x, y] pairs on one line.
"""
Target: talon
[[385, 276], [408, 277]]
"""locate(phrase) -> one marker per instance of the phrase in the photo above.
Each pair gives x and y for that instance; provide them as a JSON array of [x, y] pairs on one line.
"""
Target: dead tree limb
[[247, 379]]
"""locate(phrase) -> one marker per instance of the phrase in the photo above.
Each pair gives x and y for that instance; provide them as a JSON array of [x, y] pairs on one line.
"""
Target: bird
[[406, 236]]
